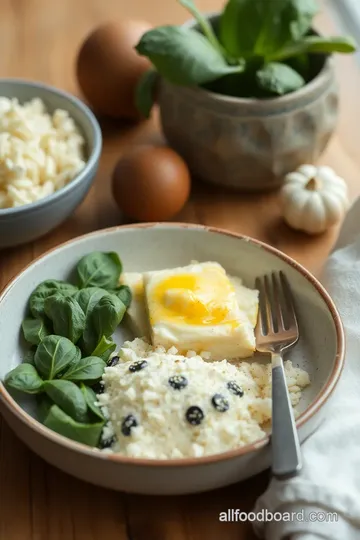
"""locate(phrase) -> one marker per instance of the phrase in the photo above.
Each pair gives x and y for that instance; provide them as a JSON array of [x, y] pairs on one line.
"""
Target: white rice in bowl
[[161, 405], [39, 152]]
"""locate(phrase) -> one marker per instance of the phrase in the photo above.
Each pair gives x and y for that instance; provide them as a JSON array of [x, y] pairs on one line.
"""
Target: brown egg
[[108, 67], [151, 183]]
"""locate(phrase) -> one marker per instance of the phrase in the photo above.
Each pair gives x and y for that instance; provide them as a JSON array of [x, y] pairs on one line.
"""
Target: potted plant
[[245, 95]]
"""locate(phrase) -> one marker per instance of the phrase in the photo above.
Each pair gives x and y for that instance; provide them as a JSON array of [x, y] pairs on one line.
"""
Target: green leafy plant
[[62, 423], [70, 332], [90, 369], [34, 330], [66, 315], [101, 321], [255, 48], [44, 290], [24, 378], [99, 270], [54, 354], [69, 397]]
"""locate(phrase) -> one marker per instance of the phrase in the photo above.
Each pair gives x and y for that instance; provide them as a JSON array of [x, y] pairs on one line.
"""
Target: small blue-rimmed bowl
[[26, 223]]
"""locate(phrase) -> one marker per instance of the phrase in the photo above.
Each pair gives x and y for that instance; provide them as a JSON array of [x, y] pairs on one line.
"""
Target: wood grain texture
[[39, 40]]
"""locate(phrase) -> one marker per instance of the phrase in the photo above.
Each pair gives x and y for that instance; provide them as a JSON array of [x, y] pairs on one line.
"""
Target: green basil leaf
[[29, 357], [99, 270], [87, 369], [316, 44], [69, 397], [104, 318], [24, 378], [145, 92], [34, 330], [54, 354], [104, 348], [91, 399], [184, 56], [63, 424], [44, 404], [45, 289], [89, 297], [279, 78], [123, 292], [66, 315]]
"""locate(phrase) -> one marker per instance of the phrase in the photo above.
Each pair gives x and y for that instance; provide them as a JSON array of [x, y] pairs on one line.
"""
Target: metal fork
[[277, 331]]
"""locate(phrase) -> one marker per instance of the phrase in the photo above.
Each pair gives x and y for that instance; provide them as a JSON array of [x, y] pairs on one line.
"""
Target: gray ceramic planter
[[250, 144]]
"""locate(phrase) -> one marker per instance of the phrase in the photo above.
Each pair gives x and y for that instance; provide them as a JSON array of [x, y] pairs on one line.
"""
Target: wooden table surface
[[39, 40]]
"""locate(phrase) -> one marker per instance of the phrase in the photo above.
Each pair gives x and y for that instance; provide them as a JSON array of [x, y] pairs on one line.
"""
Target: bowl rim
[[14, 408], [89, 164]]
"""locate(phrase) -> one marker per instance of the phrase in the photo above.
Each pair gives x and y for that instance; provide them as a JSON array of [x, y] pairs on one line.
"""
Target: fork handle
[[286, 454]]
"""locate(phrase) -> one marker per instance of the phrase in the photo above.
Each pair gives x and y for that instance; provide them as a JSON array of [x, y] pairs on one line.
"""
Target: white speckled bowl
[[150, 247], [26, 223]]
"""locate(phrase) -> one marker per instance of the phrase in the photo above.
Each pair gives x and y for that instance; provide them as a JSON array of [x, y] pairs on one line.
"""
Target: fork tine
[[291, 322], [278, 301], [260, 328], [268, 302]]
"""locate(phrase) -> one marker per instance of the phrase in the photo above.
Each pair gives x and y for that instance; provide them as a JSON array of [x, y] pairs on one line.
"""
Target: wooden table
[[38, 40]]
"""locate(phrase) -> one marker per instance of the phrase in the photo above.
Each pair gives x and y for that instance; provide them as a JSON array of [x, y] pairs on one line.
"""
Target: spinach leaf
[[90, 398], [105, 316], [44, 404], [69, 397], [99, 270], [34, 330], [66, 315], [260, 27], [145, 92], [316, 44], [29, 357], [63, 424], [279, 78], [45, 289], [123, 292], [25, 378], [54, 354], [203, 23], [89, 297], [104, 348], [184, 56], [253, 27], [301, 14], [87, 369]]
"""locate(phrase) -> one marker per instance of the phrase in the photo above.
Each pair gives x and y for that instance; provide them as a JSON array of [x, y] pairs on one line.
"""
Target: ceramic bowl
[[250, 144], [156, 246], [26, 223]]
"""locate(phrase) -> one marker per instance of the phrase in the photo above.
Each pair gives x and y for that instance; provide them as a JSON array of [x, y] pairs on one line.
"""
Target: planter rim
[[313, 86]]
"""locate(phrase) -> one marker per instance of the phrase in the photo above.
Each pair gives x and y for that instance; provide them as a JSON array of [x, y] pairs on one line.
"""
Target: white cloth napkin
[[330, 480]]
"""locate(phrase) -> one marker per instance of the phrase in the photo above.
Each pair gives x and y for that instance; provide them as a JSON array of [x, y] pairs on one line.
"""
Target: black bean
[[178, 382], [113, 361], [138, 366], [220, 403], [107, 443], [128, 423], [194, 415], [235, 388]]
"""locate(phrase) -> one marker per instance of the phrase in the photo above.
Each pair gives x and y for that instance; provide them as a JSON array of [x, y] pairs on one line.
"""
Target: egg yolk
[[206, 298]]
